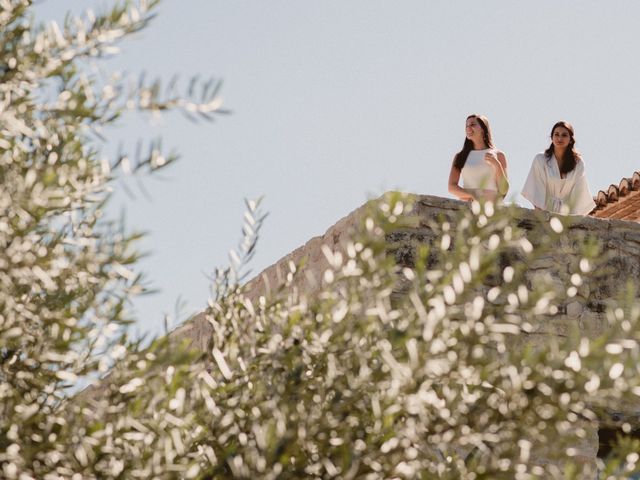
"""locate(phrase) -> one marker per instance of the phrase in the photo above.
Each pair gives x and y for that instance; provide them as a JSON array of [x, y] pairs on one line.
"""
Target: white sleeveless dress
[[478, 174]]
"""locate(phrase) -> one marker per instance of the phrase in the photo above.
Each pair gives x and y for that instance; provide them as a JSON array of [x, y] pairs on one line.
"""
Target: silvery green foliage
[[418, 372], [66, 273], [422, 372]]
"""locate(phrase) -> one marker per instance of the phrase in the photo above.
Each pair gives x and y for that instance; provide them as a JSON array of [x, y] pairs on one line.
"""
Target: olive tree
[[385, 371], [66, 270]]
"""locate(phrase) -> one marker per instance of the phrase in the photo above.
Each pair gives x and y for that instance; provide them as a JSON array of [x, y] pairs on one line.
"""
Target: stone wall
[[621, 240]]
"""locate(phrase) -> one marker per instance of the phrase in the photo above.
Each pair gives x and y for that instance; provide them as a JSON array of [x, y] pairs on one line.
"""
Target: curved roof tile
[[620, 201]]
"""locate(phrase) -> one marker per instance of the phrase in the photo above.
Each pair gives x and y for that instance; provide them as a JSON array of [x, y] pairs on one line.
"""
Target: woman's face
[[561, 137], [474, 130]]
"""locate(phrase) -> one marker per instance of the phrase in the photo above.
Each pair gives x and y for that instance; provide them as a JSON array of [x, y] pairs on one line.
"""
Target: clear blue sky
[[337, 101]]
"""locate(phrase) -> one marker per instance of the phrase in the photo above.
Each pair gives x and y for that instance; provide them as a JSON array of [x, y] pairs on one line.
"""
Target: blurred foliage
[[425, 370], [66, 271], [431, 371]]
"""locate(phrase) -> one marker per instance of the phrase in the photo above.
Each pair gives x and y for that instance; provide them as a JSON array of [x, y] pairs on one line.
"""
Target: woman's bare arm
[[502, 180], [455, 188]]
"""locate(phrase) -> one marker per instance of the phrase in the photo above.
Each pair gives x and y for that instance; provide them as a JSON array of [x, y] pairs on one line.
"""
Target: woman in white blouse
[[557, 181], [482, 167]]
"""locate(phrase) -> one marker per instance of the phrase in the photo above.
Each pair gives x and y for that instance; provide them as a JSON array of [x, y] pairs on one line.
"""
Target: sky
[[336, 102]]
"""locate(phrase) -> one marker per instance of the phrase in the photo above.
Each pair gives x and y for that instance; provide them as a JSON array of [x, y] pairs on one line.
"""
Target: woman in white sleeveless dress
[[482, 167], [557, 180]]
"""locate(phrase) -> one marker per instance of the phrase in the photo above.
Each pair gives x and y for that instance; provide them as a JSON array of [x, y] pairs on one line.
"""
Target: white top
[[546, 189], [477, 173]]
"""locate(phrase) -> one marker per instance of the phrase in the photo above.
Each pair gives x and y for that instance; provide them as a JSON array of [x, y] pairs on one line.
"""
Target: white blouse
[[546, 189], [478, 174]]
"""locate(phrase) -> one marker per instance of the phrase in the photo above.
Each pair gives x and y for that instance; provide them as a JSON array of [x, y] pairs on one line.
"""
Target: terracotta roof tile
[[620, 201]]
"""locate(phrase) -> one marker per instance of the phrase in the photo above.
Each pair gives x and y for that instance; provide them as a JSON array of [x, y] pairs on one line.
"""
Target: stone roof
[[620, 201]]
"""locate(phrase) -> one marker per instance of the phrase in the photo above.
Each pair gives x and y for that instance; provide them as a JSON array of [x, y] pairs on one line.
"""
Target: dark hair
[[461, 157], [571, 156]]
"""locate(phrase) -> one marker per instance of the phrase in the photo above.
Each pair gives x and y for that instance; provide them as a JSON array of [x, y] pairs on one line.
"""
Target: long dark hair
[[571, 156], [461, 157]]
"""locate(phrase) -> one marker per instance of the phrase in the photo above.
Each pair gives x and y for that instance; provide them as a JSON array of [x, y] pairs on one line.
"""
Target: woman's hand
[[492, 159]]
